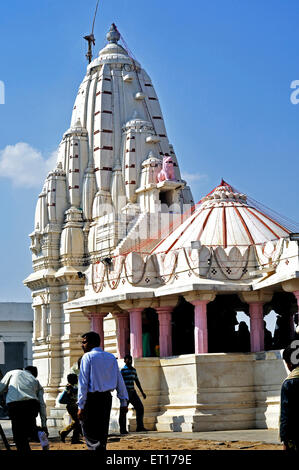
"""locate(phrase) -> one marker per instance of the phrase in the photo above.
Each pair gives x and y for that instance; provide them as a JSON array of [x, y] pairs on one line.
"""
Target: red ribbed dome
[[224, 218]]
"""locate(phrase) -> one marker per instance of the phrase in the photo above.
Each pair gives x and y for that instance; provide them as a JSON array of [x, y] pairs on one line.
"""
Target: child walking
[[69, 398]]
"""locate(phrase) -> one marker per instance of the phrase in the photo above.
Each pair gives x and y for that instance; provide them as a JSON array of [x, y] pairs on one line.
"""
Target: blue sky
[[222, 71]]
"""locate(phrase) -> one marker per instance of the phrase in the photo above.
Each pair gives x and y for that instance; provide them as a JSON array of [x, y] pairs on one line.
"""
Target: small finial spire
[[113, 35], [90, 38], [91, 41]]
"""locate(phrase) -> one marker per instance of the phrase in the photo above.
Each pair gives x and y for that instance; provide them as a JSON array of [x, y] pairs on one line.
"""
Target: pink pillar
[[136, 332], [165, 333], [256, 326], [200, 326], [97, 325], [123, 334]]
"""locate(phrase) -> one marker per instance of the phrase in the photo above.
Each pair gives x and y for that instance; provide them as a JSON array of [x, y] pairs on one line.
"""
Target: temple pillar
[[200, 326], [200, 301], [256, 300], [165, 332], [97, 324], [136, 332], [256, 326], [122, 333]]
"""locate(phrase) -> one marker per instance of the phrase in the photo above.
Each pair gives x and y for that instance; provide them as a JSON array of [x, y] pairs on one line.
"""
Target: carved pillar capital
[[200, 296], [258, 296]]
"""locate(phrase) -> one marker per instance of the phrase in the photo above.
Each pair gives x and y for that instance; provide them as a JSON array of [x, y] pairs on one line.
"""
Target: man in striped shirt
[[129, 375]]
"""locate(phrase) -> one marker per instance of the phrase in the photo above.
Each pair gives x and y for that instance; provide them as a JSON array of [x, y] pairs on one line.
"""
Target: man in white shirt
[[99, 376], [24, 399]]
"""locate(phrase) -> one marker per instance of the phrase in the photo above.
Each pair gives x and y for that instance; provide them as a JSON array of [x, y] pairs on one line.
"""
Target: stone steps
[[209, 420]]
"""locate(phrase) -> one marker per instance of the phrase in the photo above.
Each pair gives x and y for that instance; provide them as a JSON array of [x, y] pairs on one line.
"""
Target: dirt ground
[[135, 442]]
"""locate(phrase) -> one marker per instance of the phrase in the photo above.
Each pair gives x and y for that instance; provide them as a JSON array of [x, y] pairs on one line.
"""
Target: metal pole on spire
[[90, 38]]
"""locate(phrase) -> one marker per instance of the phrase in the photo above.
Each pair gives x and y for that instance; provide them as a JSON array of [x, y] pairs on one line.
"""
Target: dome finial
[[113, 35]]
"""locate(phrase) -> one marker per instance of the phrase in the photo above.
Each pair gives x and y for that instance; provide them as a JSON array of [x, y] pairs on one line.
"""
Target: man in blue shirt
[[129, 375], [99, 376]]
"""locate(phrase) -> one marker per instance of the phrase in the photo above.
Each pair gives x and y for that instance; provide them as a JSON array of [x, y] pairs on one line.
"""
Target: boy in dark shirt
[[129, 375], [70, 397]]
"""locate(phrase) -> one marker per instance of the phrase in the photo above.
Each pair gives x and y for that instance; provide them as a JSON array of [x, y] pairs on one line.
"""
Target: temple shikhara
[[120, 247]]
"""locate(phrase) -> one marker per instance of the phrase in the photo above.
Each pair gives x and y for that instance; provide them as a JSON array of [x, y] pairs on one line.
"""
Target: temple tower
[[105, 185]]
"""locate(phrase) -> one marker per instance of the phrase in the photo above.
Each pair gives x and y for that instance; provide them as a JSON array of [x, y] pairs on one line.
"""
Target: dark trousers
[[95, 424], [74, 425], [23, 415], [138, 406]]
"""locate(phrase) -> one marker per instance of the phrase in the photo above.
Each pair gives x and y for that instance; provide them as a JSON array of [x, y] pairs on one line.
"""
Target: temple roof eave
[[141, 293], [218, 287], [87, 300], [275, 280]]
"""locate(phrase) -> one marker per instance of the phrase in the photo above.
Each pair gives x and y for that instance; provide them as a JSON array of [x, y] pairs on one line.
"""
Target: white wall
[[16, 325]]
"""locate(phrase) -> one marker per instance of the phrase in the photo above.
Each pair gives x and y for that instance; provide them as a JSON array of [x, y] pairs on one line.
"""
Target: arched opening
[[150, 333], [183, 328], [284, 304], [222, 322]]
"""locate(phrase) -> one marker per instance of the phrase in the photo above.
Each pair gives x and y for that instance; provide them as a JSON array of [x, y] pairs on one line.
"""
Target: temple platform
[[203, 393], [209, 392]]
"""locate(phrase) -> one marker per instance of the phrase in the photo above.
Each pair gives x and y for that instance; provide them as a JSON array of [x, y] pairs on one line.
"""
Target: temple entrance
[[284, 305], [222, 322], [150, 333], [183, 328]]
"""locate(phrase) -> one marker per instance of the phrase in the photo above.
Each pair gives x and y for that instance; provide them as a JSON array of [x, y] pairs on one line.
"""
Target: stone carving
[[35, 246]]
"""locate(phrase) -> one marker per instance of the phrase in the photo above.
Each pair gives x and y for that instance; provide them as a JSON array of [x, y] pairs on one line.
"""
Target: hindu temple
[[120, 247]]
